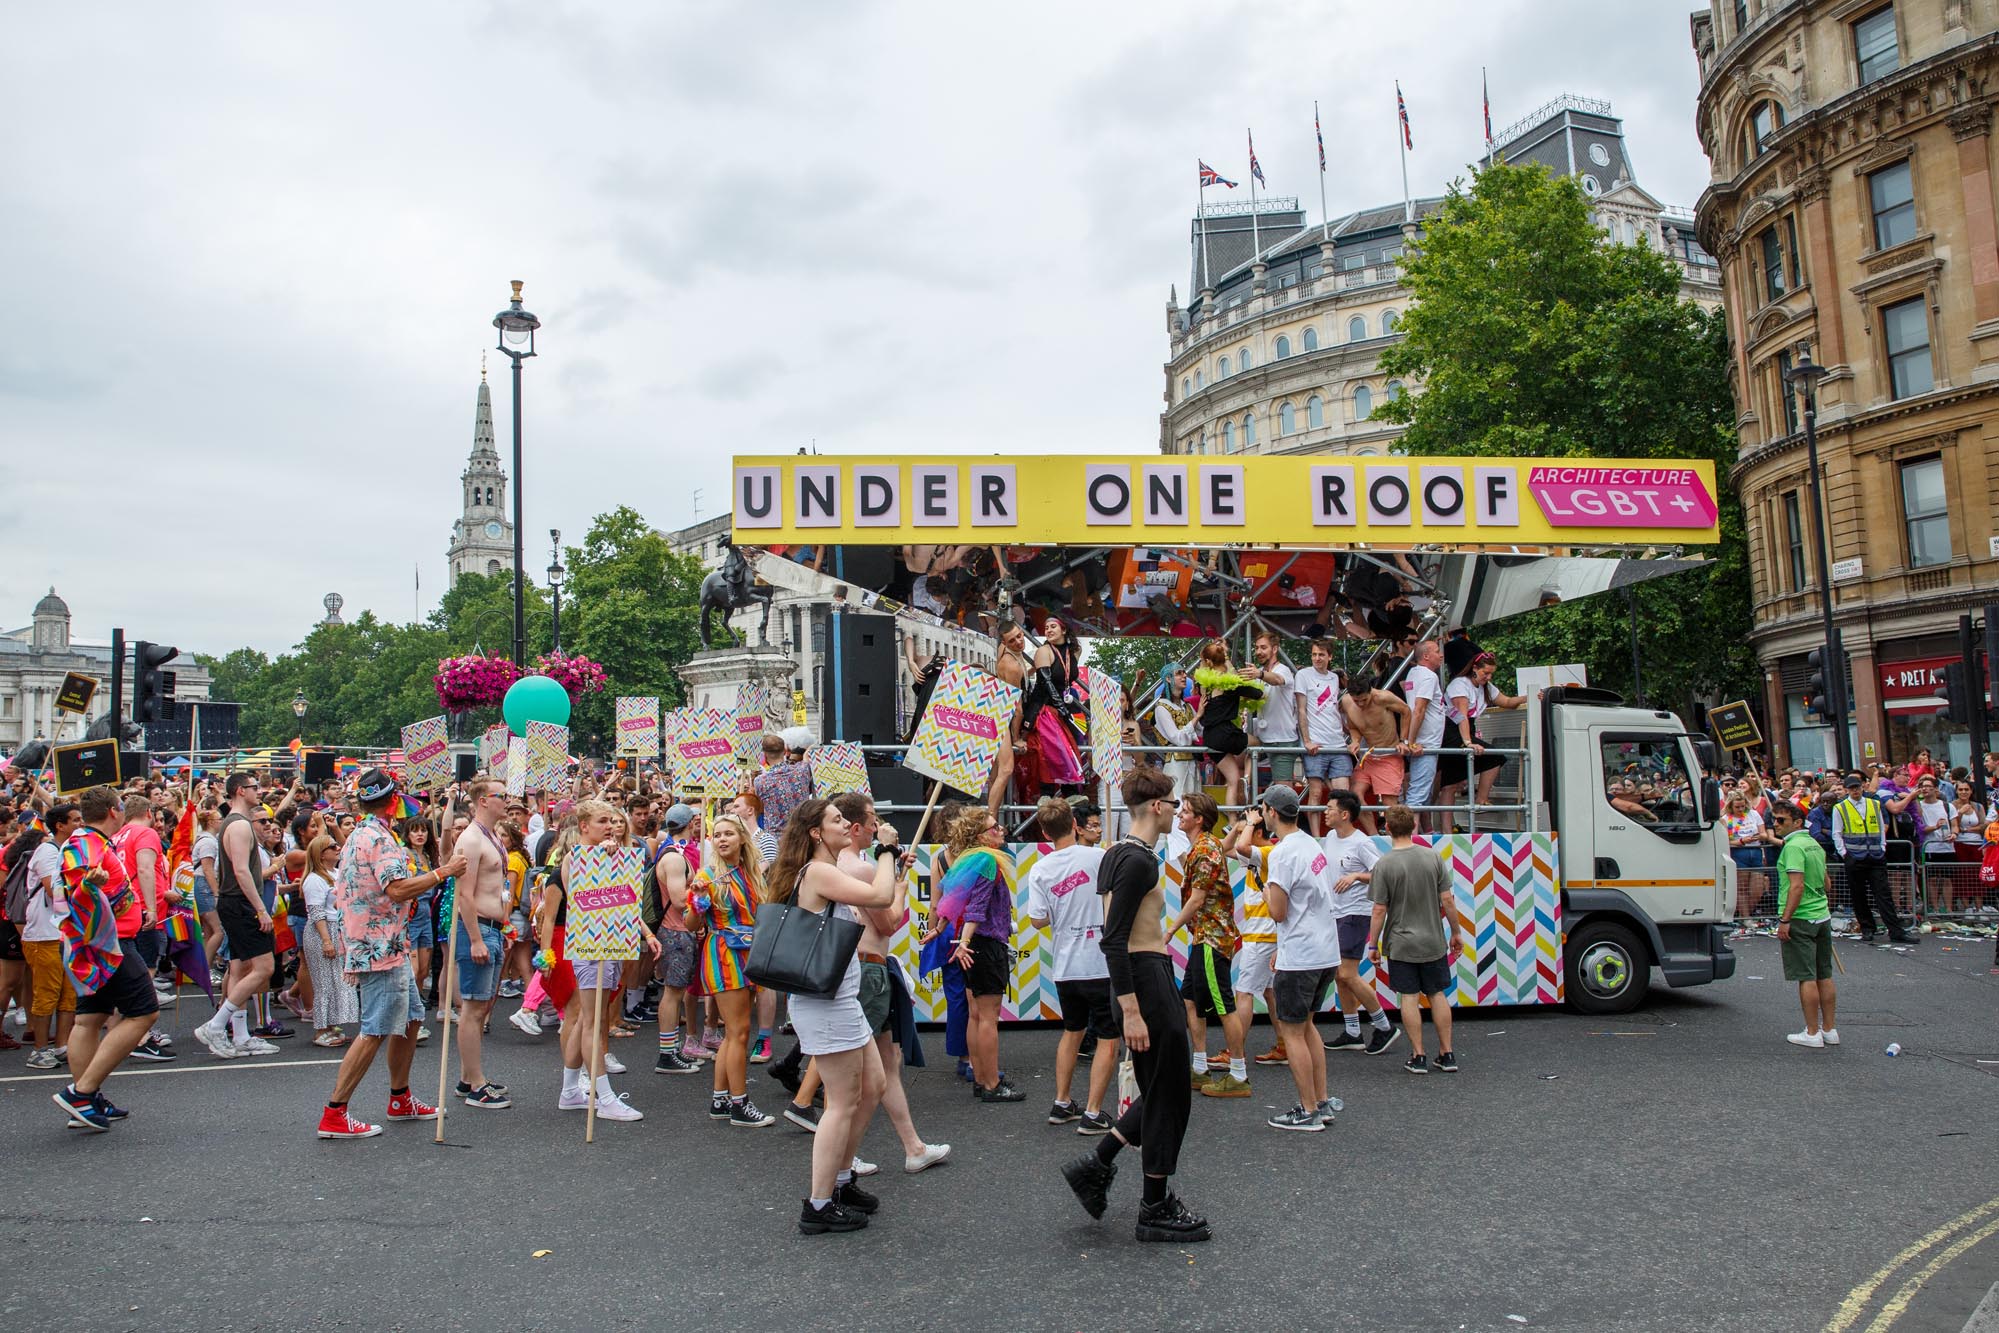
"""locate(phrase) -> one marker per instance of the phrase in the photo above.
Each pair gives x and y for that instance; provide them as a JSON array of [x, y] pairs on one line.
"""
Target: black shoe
[[152, 1051], [805, 1117], [273, 1032], [1090, 1177], [1447, 1063], [1095, 1123], [1347, 1041], [1169, 1220], [1064, 1113], [999, 1092], [1901, 939], [718, 1106], [673, 1062], [787, 1073], [1416, 1064], [1088, 1050], [745, 1115], [815, 1221], [1867, 937], [855, 1199], [1381, 1039]]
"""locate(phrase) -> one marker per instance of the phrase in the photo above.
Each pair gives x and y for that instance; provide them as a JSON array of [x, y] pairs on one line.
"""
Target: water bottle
[[1894, 1048]]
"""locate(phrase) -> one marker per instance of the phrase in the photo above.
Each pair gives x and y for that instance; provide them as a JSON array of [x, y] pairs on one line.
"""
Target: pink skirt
[[1059, 764]]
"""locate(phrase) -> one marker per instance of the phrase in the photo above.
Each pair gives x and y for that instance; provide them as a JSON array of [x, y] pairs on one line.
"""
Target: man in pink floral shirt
[[373, 890]]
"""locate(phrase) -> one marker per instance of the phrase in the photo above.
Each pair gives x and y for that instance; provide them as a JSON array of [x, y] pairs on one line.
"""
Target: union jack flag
[[1320, 135], [1402, 114], [1209, 176], [1255, 167], [1485, 95]]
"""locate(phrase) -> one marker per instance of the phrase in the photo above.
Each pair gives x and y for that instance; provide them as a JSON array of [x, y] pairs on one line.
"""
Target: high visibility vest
[[1860, 829]]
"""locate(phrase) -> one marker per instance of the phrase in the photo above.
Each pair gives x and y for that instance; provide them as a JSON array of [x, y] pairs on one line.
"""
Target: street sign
[[1736, 726], [76, 693]]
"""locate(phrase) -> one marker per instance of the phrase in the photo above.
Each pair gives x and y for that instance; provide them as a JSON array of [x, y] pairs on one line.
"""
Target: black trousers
[[1157, 1122], [1868, 882]]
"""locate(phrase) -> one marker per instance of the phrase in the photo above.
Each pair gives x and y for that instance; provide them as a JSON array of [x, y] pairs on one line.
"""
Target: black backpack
[[16, 883]]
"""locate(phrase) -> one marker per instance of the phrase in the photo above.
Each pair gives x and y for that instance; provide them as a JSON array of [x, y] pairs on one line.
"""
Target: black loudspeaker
[[892, 784], [87, 765], [870, 567], [468, 767], [318, 767], [865, 677], [133, 764]]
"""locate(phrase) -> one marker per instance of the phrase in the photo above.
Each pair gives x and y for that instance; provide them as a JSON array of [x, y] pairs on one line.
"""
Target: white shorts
[[1255, 968]]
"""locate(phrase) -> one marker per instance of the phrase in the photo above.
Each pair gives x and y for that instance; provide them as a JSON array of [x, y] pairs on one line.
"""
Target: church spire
[[483, 448]]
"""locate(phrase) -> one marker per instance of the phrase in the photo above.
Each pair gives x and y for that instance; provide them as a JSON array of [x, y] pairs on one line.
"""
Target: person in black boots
[[1155, 1022]]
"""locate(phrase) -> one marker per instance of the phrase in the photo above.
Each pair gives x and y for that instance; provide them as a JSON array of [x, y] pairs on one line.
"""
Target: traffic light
[[152, 688], [1817, 702]]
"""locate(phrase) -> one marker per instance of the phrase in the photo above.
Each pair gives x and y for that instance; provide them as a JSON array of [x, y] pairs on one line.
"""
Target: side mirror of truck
[[1708, 753], [1710, 802]]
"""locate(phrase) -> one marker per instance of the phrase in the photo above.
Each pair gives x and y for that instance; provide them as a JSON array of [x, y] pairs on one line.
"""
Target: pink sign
[[597, 900], [423, 753], [1068, 884], [972, 724], [636, 724], [703, 749], [1621, 497]]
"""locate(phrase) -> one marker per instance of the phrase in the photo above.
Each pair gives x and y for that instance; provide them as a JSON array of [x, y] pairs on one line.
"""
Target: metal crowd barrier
[[1920, 886]]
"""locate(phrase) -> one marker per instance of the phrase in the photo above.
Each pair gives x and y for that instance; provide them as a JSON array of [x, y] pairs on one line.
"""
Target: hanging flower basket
[[577, 675], [473, 681]]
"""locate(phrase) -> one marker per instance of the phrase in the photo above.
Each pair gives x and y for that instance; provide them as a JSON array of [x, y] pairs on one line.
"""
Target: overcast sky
[[253, 253]]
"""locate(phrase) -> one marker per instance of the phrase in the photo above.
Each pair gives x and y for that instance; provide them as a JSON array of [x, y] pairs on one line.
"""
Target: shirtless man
[[1011, 668], [246, 922], [479, 940], [877, 980], [1376, 719]]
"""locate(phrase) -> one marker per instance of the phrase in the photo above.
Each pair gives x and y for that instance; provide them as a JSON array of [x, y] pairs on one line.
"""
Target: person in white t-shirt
[[1353, 854], [1277, 723], [1329, 752], [1300, 891], [52, 994], [1062, 899], [1427, 716]]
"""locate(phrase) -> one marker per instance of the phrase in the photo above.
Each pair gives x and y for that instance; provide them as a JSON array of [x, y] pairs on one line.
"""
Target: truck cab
[[1643, 860]]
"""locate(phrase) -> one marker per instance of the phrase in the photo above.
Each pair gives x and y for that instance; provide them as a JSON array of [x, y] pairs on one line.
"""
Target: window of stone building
[[1741, 10], [1351, 262], [1394, 390], [1228, 437], [1185, 386], [1794, 539], [1248, 429], [1874, 47], [1287, 420], [1363, 403], [1283, 347], [1197, 379], [1893, 198], [1315, 412], [6, 705], [1222, 370], [1765, 119], [1924, 513], [1771, 246], [1907, 326], [1784, 394], [1791, 244], [1356, 329], [1242, 359], [1389, 319], [1311, 340]]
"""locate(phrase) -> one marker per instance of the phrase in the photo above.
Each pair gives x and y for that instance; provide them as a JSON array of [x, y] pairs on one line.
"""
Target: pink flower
[[473, 681]]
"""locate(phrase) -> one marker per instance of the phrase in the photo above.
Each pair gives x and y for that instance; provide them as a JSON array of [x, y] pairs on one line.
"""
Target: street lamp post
[[555, 574], [298, 711], [517, 328], [1806, 376]]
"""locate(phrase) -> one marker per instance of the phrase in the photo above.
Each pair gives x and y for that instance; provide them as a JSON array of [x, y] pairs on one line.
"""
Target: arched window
[[1394, 390], [1197, 379], [492, 567], [1248, 429], [1222, 372], [1311, 340], [1287, 420], [1204, 443], [1765, 119], [1315, 412], [1363, 403], [1228, 437], [1389, 319], [1283, 347], [1186, 386], [1242, 359], [1356, 329]]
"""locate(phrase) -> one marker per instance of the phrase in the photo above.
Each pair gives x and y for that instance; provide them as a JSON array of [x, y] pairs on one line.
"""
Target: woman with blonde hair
[[976, 898], [834, 1028], [334, 999], [722, 912], [1225, 696]]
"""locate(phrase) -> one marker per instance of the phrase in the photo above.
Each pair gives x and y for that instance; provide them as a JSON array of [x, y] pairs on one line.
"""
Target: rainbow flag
[[181, 849], [90, 930]]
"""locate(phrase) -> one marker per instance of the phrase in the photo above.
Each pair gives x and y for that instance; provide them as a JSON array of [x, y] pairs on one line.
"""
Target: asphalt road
[[1678, 1168]]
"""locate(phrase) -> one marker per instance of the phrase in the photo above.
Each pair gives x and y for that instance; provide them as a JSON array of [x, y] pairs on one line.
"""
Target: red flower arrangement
[[473, 681], [577, 675]]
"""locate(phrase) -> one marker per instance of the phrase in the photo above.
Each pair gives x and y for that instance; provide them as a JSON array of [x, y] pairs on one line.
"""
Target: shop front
[[1915, 715]]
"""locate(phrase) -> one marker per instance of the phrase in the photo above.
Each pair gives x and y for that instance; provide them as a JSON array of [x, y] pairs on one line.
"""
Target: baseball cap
[[1855, 780], [1282, 800], [678, 818], [374, 785]]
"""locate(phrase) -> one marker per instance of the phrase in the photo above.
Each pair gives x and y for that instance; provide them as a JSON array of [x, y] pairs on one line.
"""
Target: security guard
[[1860, 831]]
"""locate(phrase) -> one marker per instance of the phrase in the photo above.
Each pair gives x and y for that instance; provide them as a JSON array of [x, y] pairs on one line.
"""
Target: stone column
[[1867, 716], [1780, 722], [1824, 274], [1972, 128]]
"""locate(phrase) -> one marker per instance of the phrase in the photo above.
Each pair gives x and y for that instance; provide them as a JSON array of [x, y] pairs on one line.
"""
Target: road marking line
[[1856, 1300], [1899, 1305], [184, 1069]]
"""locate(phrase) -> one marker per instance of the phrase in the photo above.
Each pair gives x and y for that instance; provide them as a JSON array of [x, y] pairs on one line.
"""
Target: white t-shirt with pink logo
[[1308, 938], [1320, 691], [1062, 889]]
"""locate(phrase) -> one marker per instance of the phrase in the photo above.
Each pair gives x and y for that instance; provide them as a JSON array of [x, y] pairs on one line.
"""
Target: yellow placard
[[1294, 500]]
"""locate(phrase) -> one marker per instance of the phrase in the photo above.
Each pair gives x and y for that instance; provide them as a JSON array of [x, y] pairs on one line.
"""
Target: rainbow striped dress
[[732, 921]]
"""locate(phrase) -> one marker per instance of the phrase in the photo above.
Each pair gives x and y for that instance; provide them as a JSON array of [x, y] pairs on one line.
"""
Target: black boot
[[855, 1199], [1090, 1177], [1169, 1220]]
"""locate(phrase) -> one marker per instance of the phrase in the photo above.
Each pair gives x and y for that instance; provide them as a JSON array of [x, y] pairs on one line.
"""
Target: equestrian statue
[[728, 590]]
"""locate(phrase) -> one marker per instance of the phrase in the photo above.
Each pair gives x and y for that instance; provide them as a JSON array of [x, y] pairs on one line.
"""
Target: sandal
[[331, 1039], [620, 1030]]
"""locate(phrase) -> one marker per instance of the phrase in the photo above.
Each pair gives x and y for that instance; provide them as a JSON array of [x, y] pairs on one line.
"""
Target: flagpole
[[1255, 236], [1201, 215], [1485, 105], [1325, 219], [1402, 147]]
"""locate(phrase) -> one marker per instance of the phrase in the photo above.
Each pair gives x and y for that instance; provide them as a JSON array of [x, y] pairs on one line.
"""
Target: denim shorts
[[1329, 765], [204, 896], [422, 930], [480, 981], [389, 1000], [1422, 784]]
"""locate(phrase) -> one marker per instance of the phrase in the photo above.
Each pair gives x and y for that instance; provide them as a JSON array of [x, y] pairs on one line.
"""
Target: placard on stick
[[838, 767], [1735, 725], [638, 724], [961, 731], [604, 924], [427, 753], [547, 755], [517, 766], [704, 749], [1106, 727], [493, 751], [76, 693]]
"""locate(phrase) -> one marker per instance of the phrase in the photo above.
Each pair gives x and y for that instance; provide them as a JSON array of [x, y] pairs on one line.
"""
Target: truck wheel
[[1609, 970]]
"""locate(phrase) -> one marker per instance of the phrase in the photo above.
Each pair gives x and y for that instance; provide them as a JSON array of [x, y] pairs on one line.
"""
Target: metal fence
[[1921, 888]]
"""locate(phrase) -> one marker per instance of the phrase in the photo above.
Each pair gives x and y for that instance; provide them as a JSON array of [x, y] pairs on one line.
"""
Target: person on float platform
[[1062, 898], [1329, 754]]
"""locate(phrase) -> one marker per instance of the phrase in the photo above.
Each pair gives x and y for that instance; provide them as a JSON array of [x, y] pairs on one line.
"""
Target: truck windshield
[[1646, 778]]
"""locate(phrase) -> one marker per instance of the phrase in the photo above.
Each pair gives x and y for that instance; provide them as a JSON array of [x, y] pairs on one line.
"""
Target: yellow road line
[[1856, 1300], [1895, 1308]]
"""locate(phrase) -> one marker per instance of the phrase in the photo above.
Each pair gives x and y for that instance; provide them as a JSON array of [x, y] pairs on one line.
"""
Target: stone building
[[1280, 349], [35, 658], [482, 538], [1852, 209]]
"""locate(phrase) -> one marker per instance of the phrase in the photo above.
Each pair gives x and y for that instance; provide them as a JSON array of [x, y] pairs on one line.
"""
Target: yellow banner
[[1311, 500]]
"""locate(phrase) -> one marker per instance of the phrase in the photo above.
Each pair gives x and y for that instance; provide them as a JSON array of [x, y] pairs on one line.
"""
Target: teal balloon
[[534, 699]]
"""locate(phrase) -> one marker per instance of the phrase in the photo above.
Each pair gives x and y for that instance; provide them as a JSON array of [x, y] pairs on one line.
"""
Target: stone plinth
[[718, 677]]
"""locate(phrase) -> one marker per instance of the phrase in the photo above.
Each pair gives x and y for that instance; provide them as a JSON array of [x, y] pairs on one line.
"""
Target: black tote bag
[[801, 952]]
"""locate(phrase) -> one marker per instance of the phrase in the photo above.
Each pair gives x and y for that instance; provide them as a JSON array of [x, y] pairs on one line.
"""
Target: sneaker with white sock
[[258, 1046], [1831, 1036], [1811, 1039], [612, 1064], [615, 1107], [526, 1022], [861, 1168], [933, 1154], [214, 1035], [573, 1099]]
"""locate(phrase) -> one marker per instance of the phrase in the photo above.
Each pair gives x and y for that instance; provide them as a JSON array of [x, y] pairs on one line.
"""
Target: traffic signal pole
[[118, 686]]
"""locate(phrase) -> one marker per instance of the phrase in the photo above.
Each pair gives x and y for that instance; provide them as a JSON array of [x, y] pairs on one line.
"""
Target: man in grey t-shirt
[[1414, 924]]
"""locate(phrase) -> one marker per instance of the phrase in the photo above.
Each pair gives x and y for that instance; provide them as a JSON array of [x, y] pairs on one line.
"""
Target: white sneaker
[[861, 1168], [422, 1034], [1811, 1039], [160, 1038], [258, 1046], [215, 1036], [932, 1155], [1831, 1036], [573, 1099], [612, 1064], [616, 1108], [526, 1022]]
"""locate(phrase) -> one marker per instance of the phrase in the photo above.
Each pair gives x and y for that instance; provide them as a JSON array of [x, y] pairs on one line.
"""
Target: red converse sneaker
[[405, 1106], [337, 1124]]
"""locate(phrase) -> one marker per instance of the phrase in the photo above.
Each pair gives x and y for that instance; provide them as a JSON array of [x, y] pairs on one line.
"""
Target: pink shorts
[[1382, 773]]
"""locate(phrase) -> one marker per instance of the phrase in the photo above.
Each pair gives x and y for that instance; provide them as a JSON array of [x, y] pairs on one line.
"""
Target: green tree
[[1532, 337], [635, 611]]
